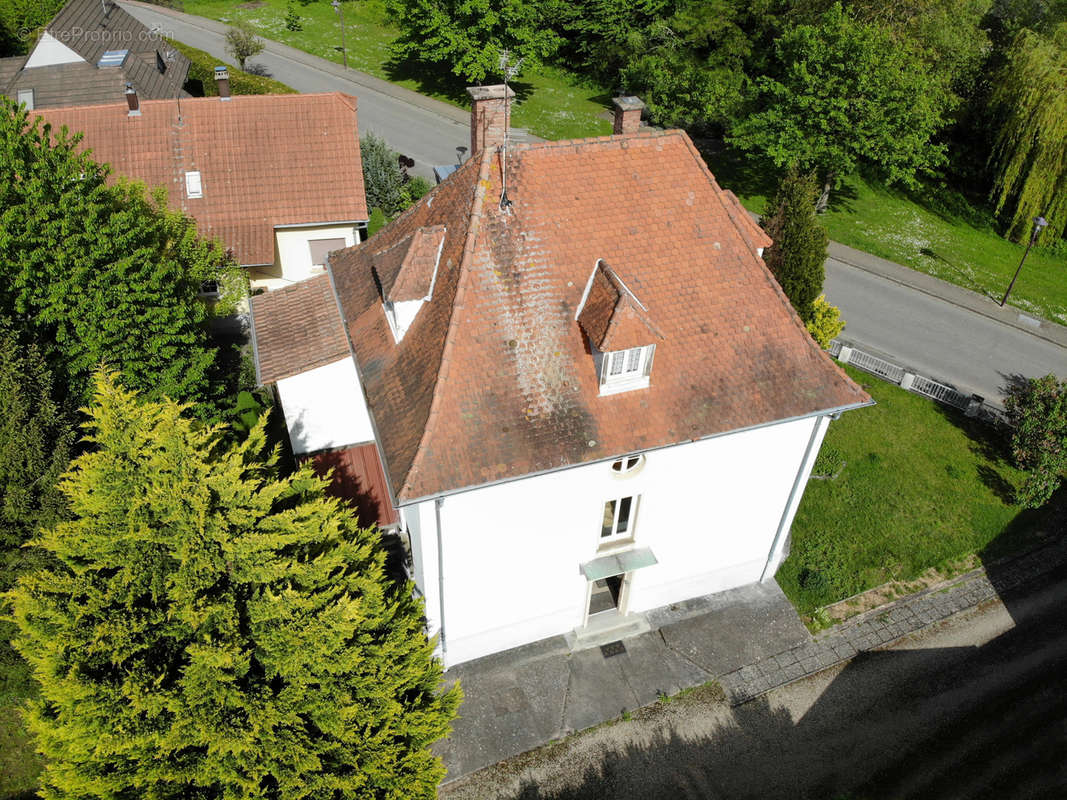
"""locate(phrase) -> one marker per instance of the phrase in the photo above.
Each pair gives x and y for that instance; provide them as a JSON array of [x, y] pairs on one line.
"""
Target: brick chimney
[[627, 114], [490, 114], [132, 101], [222, 80]]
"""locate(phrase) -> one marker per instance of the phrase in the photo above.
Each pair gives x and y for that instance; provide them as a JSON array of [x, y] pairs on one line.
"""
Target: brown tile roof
[[612, 317], [296, 329], [90, 30], [494, 379], [264, 160], [406, 269]]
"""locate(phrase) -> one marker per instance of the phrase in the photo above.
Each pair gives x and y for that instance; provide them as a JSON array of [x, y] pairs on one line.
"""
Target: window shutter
[[648, 359]]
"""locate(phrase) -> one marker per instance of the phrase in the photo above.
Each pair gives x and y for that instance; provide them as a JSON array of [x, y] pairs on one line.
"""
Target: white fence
[[972, 405]]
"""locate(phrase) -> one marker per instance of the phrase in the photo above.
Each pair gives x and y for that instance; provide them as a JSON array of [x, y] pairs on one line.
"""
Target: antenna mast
[[510, 71]]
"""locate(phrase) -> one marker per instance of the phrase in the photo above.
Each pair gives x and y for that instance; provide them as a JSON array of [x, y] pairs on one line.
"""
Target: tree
[[844, 94], [21, 22], [467, 37], [383, 180], [210, 630], [242, 43], [798, 254], [100, 271], [36, 435], [1037, 412], [1030, 154]]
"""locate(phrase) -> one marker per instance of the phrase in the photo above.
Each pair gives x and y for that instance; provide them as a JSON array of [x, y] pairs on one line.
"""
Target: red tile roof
[[612, 317], [296, 329], [495, 380], [406, 270], [263, 160]]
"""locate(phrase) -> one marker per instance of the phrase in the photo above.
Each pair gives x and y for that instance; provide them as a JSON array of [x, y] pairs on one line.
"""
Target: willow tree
[[1030, 156]]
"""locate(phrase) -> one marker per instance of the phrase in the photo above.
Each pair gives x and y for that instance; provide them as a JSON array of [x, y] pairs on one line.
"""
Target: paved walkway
[[749, 639]]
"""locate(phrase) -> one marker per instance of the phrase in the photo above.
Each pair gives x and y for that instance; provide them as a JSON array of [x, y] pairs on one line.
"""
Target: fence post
[[907, 381], [974, 406], [843, 356]]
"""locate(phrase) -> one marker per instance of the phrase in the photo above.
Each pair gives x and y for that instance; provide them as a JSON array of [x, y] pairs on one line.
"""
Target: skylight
[[112, 58]]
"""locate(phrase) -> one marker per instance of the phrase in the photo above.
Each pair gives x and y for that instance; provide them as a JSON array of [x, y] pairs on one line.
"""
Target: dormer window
[[406, 273], [620, 330]]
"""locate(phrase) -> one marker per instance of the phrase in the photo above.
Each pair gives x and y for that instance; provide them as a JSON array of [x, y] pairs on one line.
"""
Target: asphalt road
[[940, 340], [937, 339], [972, 709]]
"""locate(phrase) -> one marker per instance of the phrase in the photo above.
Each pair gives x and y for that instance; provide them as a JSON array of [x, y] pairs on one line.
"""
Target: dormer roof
[[406, 270], [612, 316]]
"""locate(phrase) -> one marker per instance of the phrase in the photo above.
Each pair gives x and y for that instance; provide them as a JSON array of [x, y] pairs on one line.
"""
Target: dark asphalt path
[[974, 709], [942, 340]]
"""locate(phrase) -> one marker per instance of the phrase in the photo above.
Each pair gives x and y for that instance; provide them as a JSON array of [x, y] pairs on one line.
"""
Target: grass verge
[[552, 103], [935, 230], [923, 486], [202, 71]]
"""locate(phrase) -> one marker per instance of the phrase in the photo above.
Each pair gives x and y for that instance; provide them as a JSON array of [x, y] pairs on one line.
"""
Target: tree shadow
[[428, 80]]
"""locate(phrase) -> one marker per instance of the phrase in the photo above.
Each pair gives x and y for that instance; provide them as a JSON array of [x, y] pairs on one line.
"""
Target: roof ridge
[[651, 133], [473, 228]]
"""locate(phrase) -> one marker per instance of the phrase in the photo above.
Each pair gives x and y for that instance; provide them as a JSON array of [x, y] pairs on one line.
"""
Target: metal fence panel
[[876, 366]]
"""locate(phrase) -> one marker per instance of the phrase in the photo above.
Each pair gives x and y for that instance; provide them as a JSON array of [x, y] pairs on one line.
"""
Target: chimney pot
[[222, 79], [627, 114], [490, 115], [132, 101]]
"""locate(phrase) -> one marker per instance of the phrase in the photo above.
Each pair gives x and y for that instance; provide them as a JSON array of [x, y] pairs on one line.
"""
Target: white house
[[276, 178], [588, 394]]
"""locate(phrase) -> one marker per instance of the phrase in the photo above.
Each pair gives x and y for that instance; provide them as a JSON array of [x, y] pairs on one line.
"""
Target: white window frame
[[625, 370], [194, 187], [631, 521], [627, 465]]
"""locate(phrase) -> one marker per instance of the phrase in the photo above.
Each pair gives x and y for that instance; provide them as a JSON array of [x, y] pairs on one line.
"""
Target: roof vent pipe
[[132, 101], [222, 80]]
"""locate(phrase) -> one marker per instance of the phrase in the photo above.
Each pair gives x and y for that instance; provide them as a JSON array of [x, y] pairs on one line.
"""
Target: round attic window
[[628, 465]]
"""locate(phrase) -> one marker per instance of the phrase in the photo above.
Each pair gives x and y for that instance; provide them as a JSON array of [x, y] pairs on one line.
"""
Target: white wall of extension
[[512, 553], [49, 50], [324, 407], [292, 254]]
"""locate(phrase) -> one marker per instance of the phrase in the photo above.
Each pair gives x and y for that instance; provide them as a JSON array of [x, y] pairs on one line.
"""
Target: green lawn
[[922, 486], [936, 231], [552, 103]]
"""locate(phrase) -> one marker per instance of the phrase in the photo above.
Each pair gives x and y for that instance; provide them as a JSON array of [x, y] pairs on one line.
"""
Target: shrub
[[825, 323], [1037, 411]]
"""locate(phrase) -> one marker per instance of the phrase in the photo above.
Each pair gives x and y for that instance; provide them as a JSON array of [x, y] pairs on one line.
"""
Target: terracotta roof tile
[[494, 378], [406, 269], [263, 160], [612, 317], [297, 328]]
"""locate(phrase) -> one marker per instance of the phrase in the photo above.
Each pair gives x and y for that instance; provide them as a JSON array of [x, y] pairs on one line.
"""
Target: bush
[[1037, 411], [242, 43], [826, 323]]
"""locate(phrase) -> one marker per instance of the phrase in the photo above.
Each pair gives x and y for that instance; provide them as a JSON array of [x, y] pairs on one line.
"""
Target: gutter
[[440, 576]]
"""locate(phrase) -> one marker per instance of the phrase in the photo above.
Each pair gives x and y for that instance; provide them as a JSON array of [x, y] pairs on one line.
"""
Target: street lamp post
[[340, 12], [1039, 223]]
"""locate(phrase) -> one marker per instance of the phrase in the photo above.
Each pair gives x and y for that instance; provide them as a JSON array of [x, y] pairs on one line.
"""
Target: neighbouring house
[[276, 178], [88, 54], [567, 376]]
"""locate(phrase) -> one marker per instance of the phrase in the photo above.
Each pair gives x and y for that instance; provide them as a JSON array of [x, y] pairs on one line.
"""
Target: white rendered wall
[[709, 512], [293, 254], [50, 50], [324, 407]]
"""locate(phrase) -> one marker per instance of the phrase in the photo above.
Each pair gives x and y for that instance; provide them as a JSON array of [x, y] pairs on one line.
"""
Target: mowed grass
[[552, 103], [203, 69], [935, 230], [923, 486]]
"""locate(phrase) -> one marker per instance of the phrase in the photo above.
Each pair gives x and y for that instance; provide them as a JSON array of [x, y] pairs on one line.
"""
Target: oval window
[[627, 464]]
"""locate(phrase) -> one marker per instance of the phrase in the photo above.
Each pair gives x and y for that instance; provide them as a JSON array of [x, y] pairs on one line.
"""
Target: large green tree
[[21, 21], [102, 271], [467, 37], [798, 254], [1030, 155], [213, 631], [845, 94]]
